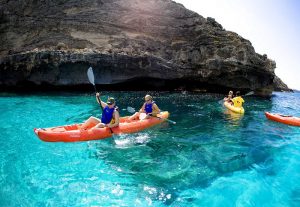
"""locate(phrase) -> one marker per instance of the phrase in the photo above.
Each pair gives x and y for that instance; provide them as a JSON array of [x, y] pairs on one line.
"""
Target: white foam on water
[[129, 140]]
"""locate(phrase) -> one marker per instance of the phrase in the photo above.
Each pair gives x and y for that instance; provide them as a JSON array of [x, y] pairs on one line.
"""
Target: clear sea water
[[209, 158]]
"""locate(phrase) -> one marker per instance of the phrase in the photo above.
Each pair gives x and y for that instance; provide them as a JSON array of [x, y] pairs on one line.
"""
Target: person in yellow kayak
[[149, 108], [229, 97], [110, 115], [238, 101]]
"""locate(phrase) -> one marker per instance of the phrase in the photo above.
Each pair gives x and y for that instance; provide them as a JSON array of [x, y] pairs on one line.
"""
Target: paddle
[[91, 78], [247, 94], [132, 110]]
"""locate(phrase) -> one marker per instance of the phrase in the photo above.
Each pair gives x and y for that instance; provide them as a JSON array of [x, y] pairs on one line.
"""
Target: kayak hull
[[290, 120], [73, 133], [239, 110]]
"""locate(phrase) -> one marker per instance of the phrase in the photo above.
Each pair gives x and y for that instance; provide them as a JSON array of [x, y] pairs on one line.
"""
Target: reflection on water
[[232, 117]]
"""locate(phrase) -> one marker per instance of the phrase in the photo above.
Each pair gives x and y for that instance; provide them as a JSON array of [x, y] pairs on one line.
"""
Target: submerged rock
[[154, 43]]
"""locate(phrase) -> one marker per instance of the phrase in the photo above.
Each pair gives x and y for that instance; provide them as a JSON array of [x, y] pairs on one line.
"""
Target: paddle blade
[[250, 93], [130, 109], [173, 122], [90, 75]]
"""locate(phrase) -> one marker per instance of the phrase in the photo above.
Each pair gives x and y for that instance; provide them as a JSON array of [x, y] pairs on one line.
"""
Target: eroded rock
[[54, 42]]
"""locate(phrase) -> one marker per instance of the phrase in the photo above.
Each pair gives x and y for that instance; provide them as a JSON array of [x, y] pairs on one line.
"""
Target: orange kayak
[[290, 120], [72, 133]]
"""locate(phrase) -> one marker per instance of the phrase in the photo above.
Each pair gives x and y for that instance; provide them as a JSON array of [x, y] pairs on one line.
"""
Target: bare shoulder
[[116, 114], [155, 107]]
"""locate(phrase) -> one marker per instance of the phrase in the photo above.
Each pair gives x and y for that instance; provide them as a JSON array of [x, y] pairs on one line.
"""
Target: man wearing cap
[[110, 115]]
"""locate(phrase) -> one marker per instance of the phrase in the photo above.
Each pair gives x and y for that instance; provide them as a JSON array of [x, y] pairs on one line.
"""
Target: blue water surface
[[211, 157]]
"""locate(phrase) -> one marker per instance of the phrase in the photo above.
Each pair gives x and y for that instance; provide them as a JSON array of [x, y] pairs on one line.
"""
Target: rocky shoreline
[[134, 45]]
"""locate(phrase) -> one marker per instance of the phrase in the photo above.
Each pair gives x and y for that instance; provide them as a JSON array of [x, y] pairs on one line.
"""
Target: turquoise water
[[210, 158]]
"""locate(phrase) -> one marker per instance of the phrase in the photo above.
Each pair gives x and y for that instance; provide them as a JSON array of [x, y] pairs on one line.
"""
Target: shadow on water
[[206, 143]]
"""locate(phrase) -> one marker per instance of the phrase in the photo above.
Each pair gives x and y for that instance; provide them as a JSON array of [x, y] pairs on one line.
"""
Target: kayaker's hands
[[108, 125], [97, 94]]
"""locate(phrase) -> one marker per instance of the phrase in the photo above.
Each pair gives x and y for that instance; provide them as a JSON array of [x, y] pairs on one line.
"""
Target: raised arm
[[98, 99]]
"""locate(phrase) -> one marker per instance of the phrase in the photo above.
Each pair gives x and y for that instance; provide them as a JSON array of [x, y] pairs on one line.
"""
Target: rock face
[[154, 42], [279, 85]]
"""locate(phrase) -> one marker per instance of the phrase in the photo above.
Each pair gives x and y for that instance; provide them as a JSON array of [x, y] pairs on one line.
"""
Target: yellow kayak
[[239, 110]]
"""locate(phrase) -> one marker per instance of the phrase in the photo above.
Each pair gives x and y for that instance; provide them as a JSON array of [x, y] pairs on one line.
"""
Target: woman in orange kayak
[[110, 115], [149, 107]]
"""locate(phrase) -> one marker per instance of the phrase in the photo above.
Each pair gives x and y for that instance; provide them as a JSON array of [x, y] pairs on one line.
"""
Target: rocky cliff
[[138, 43]]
